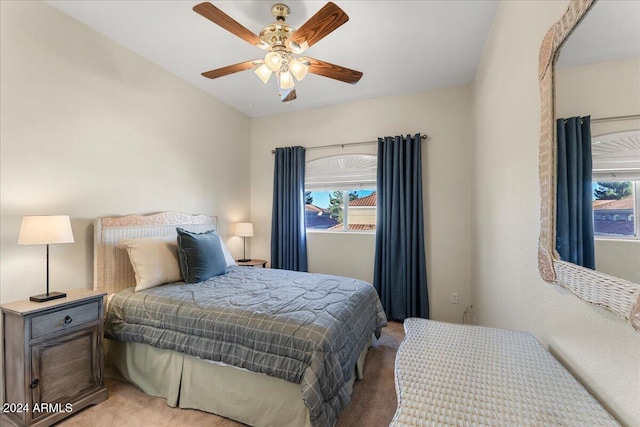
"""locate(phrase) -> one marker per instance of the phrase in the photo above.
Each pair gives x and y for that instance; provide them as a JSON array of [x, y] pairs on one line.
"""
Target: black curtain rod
[[348, 144]]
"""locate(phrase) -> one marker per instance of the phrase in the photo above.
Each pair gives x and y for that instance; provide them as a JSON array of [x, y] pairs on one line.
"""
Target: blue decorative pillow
[[201, 255]]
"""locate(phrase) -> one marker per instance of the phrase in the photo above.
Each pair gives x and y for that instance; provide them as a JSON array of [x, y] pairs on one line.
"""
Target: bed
[[261, 346], [460, 375]]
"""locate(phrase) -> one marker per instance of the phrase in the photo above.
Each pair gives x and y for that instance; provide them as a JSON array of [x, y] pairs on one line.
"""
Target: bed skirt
[[187, 381]]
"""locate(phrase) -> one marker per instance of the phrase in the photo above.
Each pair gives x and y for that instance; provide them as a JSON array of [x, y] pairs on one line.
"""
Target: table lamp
[[244, 230], [46, 230]]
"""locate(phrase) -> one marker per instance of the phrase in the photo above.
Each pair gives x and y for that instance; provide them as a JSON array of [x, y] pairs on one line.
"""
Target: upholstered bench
[[461, 375]]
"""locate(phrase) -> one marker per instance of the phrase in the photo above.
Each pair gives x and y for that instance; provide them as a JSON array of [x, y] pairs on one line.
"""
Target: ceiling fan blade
[[333, 71], [230, 69], [217, 16], [317, 27], [289, 96]]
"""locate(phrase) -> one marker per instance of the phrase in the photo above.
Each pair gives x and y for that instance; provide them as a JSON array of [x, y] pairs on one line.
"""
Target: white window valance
[[616, 156], [343, 172]]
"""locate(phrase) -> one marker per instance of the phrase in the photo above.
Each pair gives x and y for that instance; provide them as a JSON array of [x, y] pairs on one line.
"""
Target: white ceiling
[[400, 46]]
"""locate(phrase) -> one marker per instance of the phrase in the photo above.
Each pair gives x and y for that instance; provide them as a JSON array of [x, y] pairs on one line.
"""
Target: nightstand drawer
[[64, 319]]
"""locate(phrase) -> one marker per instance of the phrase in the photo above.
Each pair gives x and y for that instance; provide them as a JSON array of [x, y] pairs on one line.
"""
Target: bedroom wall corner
[[599, 348], [91, 129], [444, 115]]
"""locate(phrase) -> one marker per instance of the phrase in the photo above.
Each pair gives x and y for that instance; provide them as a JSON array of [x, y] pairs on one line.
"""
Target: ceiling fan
[[282, 43]]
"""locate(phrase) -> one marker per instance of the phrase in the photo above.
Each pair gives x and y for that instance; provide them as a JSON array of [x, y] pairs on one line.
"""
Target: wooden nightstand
[[53, 359], [253, 263]]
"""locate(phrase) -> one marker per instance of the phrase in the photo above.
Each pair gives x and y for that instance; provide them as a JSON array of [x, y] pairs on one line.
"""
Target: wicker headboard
[[112, 271]]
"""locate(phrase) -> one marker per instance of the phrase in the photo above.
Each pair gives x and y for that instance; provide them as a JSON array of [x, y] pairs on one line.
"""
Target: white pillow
[[227, 255], [154, 260]]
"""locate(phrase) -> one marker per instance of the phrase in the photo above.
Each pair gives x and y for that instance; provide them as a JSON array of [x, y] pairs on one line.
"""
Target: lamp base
[[47, 297], [244, 260]]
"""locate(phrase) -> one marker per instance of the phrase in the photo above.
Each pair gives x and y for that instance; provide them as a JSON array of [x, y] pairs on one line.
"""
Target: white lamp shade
[[263, 72], [43, 230], [273, 60], [244, 229], [286, 80], [298, 69]]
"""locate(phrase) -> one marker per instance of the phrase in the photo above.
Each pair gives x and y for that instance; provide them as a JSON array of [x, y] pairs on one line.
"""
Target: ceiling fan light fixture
[[282, 42], [263, 72], [273, 61], [298, 69], [286, 80]]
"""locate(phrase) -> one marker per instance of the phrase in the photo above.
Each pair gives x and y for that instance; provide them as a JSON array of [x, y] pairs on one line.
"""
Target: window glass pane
[[613, 208], [324, 210], [362, 210]]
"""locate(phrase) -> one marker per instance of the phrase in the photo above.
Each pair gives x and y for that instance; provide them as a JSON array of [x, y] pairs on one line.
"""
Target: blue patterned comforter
[[304, 328]]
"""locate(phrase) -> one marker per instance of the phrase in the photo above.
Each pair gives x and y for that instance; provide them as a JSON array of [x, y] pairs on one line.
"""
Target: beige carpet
[[373, 401]]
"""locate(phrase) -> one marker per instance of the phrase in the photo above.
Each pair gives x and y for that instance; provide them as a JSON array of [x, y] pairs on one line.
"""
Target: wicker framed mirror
[[617, 295]]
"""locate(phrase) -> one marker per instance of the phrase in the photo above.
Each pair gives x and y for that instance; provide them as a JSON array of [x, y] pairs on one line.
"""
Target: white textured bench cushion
[[461, 375]]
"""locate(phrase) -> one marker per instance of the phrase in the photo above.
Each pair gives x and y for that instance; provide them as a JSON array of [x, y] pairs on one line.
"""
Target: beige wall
[[619, 258], [322, 257], [597, 346], [90, 129], [605, 89], [362, 215], [442, 114]]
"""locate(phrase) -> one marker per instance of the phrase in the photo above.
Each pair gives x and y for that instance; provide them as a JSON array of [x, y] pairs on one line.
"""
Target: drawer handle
[[34, 383], [68, 320]]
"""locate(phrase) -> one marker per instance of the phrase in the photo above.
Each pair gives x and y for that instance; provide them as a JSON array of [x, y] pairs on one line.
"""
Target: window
[[615, 209], [331, 181], [616, 185]]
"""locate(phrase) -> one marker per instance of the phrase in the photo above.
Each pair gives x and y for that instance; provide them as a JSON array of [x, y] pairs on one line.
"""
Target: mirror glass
[[597, 74]]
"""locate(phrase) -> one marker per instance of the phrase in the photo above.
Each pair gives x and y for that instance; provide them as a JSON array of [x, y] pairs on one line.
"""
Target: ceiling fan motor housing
[[277, 33], [280, 11]]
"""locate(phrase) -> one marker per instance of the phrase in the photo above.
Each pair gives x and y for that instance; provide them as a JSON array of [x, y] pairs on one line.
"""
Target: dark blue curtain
[[574, 203], [400, 272], [288, 234]]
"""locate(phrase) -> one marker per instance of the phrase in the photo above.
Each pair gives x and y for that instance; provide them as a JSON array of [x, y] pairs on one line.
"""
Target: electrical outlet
[[454, 298]]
